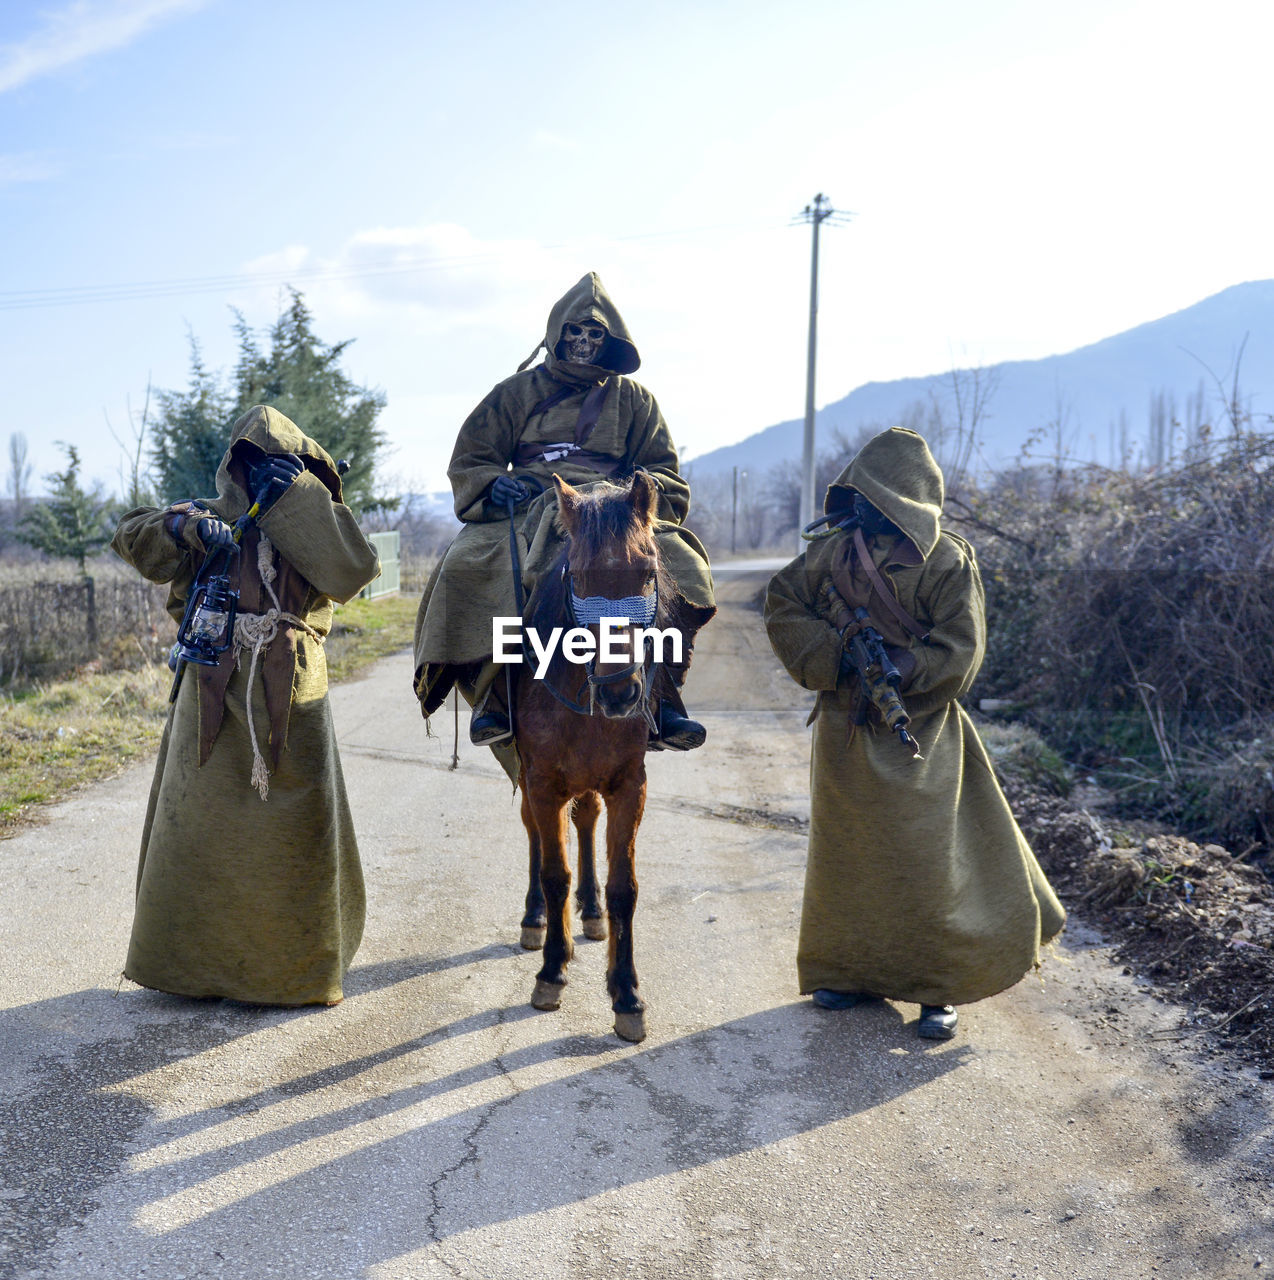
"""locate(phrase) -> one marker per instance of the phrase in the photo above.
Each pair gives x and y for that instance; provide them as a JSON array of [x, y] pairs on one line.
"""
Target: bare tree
[[134, 475], [1196, 421], [19, 479], [1162, 429], [1236, 409], [955, 417]]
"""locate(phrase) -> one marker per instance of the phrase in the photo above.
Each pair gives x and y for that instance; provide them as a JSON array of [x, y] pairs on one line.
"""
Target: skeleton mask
[[582, 342]]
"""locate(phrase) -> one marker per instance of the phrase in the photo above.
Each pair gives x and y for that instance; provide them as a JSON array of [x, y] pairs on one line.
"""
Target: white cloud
[[440, 314], [425, 279], [82, 30]]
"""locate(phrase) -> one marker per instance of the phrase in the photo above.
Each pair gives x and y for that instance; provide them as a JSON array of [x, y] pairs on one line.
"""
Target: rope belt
[[255, 631], [527, 455]]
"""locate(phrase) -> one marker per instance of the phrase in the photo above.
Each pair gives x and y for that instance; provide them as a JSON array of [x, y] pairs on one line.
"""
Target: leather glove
[[268, 478], [506, 488], [215, 533]]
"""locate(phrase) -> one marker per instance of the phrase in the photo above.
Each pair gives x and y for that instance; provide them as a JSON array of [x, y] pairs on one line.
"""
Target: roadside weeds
[[58, 735]]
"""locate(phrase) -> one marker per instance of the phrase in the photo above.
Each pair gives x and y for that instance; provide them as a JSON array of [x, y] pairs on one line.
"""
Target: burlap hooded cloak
[[261, 902], [514, 426], [919, 885]]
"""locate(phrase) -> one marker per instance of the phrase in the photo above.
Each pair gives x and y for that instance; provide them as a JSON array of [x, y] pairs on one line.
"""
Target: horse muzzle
[[616, 701]]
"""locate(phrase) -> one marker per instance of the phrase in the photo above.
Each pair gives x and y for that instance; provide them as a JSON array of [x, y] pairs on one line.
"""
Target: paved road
[[435, 1126]]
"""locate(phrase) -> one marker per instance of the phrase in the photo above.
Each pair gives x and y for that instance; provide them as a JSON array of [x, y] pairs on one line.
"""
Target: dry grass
[[20, 570], [56, 736], [365, 631]]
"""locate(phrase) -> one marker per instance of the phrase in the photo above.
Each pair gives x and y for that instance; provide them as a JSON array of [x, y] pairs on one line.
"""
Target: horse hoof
[[533, 937], [595, 928], [631, 1027], [547, 995]]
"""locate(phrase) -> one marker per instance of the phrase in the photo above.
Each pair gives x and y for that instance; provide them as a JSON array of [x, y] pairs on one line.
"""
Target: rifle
[[877, 675]]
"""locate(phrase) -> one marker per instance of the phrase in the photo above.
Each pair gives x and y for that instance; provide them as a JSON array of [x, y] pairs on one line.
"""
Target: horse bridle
[[592, 679]]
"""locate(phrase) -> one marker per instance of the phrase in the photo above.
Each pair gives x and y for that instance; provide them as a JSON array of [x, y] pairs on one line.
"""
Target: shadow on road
[[493, 1138], [527, 1147]]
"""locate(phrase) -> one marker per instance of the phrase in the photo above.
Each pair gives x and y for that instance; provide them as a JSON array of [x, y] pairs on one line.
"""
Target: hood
[[589, 302], [898, 475], [263, 429]]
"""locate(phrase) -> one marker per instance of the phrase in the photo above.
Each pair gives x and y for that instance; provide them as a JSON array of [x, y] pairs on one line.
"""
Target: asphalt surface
[[434, 1125]]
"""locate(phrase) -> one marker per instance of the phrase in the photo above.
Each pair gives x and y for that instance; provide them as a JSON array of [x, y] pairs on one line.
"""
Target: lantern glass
[[207, 630]]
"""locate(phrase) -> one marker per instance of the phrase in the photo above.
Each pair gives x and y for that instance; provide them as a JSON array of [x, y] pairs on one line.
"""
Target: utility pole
[[818, 211]]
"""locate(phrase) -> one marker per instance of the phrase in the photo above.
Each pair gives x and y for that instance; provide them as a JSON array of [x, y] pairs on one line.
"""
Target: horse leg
[[624, 806], [548, 808], [584, 812], [534, 921]]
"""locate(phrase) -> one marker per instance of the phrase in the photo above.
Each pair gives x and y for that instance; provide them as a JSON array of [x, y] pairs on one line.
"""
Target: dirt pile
[[1192, 918]]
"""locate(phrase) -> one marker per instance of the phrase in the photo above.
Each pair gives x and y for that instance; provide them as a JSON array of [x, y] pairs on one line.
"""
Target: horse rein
[[519, 596]]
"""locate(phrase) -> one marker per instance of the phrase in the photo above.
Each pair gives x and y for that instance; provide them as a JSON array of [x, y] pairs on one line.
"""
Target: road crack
[[741, 815], [471, 1156]]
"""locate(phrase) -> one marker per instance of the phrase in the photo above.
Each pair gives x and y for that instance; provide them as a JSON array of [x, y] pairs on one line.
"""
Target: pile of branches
[[1191, 918], [1129, 617]]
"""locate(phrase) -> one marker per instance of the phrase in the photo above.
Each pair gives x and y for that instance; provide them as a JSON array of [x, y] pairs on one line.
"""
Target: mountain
[[1089, 389]]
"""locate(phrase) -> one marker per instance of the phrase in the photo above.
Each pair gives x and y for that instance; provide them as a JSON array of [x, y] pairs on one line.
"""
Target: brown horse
[[582, 731]]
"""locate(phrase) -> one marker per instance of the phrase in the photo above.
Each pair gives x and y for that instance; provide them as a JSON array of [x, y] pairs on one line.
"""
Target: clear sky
[[1024, 178]]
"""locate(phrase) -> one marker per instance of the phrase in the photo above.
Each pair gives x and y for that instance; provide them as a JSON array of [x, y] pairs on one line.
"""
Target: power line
[[137, 290]]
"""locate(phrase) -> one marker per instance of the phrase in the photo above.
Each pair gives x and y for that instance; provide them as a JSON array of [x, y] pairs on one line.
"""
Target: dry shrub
[[1131, 614], [1018, 751], [1228, 792]]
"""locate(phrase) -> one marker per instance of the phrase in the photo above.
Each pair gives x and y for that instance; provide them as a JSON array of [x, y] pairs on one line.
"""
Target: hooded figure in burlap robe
[[584, 423], [919, 884], [259, 902]]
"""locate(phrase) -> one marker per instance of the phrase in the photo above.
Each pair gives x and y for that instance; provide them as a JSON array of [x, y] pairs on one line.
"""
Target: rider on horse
[[580, 416]]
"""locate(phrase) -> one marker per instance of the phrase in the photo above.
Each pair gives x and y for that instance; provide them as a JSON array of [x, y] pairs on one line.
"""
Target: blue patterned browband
[[637, 611]]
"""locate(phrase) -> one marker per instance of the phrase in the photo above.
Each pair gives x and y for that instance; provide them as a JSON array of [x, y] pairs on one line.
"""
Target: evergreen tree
[[72, 522], [191, 433], [299, 375]]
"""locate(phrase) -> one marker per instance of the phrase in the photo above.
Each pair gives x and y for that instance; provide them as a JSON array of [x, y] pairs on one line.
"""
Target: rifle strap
[[563, 392], [883, 590], [590, 410]]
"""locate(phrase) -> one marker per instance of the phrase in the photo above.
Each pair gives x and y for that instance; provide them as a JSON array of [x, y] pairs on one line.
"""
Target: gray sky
[[1024, 178]]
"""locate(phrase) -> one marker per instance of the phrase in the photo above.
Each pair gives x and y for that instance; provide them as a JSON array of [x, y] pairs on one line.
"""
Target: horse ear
[[568, 499], [644, 496]]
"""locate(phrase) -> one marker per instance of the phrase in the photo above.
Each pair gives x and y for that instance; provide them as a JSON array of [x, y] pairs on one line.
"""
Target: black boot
[[486, 728], [937, 1022], [677, 732]]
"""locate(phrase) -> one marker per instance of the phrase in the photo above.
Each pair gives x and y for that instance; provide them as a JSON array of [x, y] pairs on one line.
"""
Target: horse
[[569, 755]]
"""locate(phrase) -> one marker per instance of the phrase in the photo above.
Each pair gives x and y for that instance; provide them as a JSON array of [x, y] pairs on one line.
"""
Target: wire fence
[[48, 629]]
